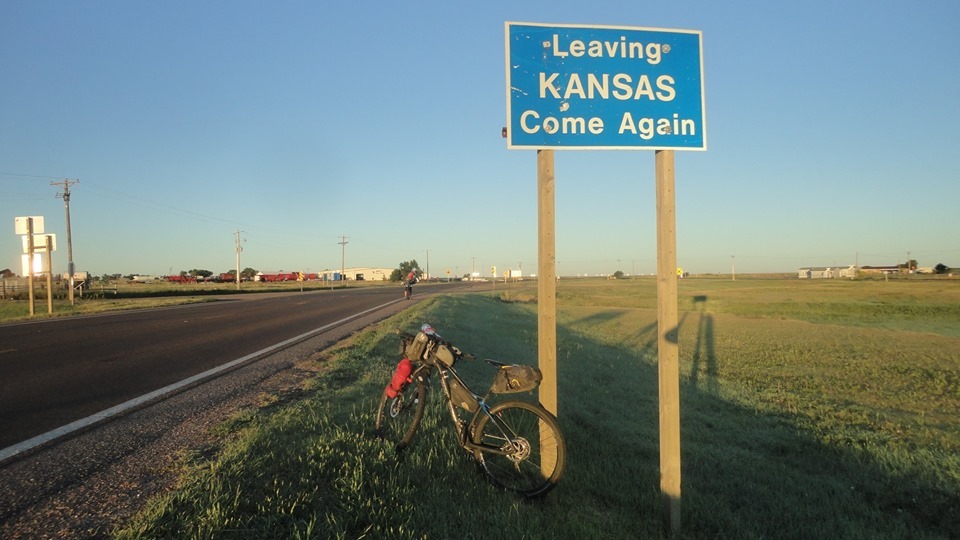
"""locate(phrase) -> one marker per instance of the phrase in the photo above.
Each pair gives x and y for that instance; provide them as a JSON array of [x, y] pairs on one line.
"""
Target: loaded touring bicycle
[[517, 444]]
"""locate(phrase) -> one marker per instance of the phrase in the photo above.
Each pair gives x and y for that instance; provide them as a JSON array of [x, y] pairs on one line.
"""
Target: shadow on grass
[[745, 474], [704, 350], [313, 469]]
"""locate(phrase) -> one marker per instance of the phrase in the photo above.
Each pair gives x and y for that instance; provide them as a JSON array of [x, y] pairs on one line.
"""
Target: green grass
[[796, 423]]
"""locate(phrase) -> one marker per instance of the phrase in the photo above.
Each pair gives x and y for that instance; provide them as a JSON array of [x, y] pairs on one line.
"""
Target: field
[[809, 409]]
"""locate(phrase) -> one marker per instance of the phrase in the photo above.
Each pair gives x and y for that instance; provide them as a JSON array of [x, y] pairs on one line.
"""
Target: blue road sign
[[604, 87]]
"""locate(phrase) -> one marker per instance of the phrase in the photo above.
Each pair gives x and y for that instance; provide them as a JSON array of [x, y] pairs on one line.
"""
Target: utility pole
[[239, 249], [67, 182], [343, 250], [733, 267], [428, 265]]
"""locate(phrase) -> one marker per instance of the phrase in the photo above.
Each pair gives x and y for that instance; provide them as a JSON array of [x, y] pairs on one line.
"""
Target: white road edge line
[[116, 410]]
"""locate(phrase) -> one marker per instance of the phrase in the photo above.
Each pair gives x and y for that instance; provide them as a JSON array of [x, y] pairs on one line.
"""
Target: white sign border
[[506, 63]]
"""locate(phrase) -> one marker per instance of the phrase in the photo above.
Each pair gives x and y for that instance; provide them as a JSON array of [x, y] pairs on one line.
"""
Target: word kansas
[[624, 86]]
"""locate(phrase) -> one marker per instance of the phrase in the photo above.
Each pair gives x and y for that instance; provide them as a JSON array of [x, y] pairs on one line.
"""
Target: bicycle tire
[[538, 458], [399, 417]]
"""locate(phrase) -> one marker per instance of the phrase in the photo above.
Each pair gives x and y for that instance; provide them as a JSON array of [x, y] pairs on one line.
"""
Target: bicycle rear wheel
[[531, 453], [399, 417]]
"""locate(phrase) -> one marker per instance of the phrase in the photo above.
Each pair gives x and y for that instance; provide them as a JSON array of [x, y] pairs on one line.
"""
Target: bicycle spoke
[[398, 417], [531, 456]]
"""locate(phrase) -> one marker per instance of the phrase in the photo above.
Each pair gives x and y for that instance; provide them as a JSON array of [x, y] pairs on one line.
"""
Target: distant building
[[359, 274], [827, 272], [881, 269]]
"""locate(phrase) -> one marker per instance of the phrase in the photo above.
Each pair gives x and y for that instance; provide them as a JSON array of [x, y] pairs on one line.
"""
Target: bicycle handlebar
[[468, 356], [407, 335]]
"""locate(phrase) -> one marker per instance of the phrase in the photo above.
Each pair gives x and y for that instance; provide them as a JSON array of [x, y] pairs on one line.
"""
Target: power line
[[30, 176], [148, 203], [153, 204]]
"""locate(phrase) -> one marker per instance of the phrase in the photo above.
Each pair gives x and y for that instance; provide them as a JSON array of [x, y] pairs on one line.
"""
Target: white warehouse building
[[359, 274]]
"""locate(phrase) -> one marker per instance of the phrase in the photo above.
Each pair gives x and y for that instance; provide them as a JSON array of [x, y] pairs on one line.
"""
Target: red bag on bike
[[399, 379]]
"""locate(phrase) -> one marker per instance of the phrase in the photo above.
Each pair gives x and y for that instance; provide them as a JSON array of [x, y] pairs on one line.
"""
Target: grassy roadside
[[795, 425], [121, 296]]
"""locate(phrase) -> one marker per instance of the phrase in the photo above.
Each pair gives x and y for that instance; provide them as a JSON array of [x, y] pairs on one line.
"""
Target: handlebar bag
[[415, 348], [516, 378]]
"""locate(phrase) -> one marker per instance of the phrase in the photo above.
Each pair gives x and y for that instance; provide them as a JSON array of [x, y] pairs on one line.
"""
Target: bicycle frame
[[462, 426]]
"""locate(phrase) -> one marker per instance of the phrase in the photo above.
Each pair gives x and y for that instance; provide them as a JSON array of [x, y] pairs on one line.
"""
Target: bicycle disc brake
[[517, 450]]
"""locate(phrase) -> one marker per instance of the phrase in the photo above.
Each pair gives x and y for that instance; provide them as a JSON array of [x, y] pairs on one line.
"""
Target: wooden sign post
[[667, 342], [546, 293], [30, 285], [49, 272], [560, 96], [547, 280]]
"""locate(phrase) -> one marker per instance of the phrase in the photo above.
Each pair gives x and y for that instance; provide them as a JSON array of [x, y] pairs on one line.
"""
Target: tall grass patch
[[794, 425]]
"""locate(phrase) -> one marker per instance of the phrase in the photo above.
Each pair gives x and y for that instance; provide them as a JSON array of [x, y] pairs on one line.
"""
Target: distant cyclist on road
[[408, 284]]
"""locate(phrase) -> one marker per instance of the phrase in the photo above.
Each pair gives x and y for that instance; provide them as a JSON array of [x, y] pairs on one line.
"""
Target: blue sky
[[832, 137]]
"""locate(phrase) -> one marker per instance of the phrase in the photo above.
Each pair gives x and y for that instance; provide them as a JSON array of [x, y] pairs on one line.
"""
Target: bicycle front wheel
[[525, 452], [399, 417]]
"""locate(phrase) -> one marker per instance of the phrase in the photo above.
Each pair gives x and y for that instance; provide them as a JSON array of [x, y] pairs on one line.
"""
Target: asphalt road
[[55, 372]]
